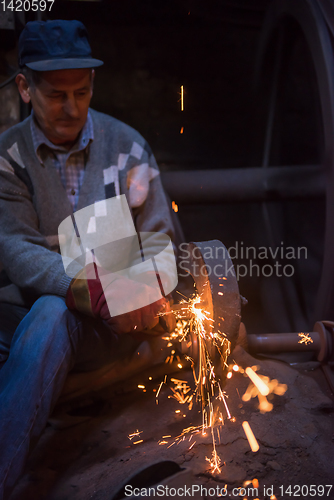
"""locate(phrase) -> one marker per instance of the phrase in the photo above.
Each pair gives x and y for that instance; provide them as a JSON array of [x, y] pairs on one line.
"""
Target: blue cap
[[53, 45]]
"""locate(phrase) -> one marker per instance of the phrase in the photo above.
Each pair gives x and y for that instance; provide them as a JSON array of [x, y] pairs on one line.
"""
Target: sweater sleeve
[[24, 252]]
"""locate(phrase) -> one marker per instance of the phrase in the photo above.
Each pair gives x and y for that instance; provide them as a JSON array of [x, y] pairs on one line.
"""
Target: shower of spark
[[207, 391]]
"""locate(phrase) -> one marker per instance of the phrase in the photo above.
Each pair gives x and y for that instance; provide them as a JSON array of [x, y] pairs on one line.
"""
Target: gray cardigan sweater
[[33, 202]]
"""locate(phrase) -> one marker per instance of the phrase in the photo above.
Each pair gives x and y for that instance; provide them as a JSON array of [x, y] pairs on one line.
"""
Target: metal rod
[[245, 184], [282, 342]]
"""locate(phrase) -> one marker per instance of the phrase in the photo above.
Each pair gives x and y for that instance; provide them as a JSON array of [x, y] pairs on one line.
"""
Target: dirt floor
[[91, 460]]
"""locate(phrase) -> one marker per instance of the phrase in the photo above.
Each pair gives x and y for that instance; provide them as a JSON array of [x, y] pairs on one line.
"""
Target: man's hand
[[86, 295]]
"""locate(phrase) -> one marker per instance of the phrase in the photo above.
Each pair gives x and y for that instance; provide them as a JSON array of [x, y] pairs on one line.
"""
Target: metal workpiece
[[320, 341]]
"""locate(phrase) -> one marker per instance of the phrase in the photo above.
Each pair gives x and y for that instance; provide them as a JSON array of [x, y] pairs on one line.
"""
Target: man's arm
[[24, 251]]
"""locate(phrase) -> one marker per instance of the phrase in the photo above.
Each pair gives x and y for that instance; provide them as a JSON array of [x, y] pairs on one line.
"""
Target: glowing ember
[[181, 131], [274, 387], [182, 105], [175, 206], [304, 338], [134, 434], [250, 436], [141, 387], [138, 442], [262, 387]]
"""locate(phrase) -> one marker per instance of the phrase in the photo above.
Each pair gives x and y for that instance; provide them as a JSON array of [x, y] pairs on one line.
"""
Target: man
[[63, 158]]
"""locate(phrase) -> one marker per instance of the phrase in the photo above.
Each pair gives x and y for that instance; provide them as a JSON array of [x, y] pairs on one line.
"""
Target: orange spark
[[134, 434], [262, 387], [250, 436], [255, 483], [182, 104], [305, 338], [175, 207]]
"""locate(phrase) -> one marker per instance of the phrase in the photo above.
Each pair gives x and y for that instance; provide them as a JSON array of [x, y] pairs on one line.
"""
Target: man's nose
[[70, 107]]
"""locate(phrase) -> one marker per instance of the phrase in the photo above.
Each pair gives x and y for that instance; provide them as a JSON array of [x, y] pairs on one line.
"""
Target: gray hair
[[33, 78]]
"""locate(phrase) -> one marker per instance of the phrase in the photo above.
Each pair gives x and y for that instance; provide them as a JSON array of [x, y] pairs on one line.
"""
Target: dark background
[[151, 48]]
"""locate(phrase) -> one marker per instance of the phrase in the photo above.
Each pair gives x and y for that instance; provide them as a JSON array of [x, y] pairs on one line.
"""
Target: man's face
[[60, 102]]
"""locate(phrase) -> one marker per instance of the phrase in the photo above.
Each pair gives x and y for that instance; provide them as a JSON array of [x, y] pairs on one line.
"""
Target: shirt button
[[73, 191]]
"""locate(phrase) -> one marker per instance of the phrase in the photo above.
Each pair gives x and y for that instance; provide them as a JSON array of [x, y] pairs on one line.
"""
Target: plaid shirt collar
[[86, 136]]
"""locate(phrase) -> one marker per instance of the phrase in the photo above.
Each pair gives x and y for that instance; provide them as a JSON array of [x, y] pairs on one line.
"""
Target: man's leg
[[43, 350]]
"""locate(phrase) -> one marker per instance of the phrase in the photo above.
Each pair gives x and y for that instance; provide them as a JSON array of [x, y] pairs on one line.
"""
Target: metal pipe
[[282, 342], [245, 184]]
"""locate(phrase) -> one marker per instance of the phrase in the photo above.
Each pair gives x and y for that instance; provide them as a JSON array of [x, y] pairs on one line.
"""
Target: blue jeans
[[48, 342]]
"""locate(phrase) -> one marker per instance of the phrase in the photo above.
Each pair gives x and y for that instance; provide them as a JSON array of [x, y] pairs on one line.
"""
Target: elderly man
[[63, 158]]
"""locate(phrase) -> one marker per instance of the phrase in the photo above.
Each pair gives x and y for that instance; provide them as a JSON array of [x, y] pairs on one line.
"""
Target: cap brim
[[70, 63]]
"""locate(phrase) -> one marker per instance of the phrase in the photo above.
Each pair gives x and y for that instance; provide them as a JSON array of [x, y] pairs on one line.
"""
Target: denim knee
[[49, 322]]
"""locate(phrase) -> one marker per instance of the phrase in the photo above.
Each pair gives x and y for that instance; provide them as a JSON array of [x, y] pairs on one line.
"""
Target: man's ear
[[23, 87]]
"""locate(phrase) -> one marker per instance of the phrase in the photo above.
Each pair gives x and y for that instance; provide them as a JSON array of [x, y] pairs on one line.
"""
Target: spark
[[262, 387], [235, 368], [182, 103], [134, 434], [138, 442], [141, 387], [175, 206], [250, 436], [157, 394], [194, 321], [274, 387], [181, 131], [305, 338]]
